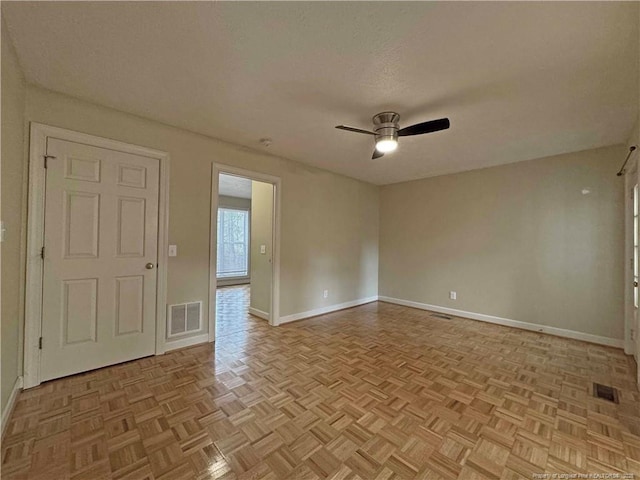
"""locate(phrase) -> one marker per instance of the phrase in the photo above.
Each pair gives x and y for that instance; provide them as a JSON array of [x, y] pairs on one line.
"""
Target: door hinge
[[46, 160], [42, 253], [40, 343]]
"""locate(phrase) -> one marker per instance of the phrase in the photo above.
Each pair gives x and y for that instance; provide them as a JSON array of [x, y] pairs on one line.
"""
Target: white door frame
[[631, 314], [35, 236], [274, 314], [630, 180]]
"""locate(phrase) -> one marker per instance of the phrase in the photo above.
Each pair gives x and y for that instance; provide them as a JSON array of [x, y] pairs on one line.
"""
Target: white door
[[100, 258], [632, 326]]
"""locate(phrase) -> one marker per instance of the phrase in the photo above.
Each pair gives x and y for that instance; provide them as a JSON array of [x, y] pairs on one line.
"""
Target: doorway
[[244, 269], [632, 263]]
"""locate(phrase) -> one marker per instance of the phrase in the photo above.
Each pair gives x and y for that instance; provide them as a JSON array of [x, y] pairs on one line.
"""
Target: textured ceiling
[[518, 80], [233, 186]]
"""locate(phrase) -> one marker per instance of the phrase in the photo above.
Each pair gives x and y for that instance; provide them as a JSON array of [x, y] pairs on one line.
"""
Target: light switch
[[3, 231], [173, 250], [263, 249]]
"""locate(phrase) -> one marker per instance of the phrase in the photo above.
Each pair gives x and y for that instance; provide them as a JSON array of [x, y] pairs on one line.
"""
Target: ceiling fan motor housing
[[386, 126]]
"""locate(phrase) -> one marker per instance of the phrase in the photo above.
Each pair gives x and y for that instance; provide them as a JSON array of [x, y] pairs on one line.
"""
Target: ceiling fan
[[387, 131]]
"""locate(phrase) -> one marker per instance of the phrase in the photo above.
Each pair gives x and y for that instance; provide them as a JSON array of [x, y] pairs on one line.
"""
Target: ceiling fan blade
[[425, 127], [376, 154], [353, 129]]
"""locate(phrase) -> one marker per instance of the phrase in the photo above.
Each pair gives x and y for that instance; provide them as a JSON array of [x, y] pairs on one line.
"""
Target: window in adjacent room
[[233, 243]]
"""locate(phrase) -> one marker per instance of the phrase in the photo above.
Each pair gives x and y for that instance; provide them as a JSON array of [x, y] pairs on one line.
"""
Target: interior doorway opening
[[632, 262], [243, 251]]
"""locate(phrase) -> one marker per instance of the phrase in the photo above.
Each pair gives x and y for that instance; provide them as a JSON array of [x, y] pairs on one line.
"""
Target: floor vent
[[605, 392], [184, 318], [441, 315]]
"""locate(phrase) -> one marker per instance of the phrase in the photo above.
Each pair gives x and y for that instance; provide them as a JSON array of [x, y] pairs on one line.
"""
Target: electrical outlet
[[453, 295], [325, 294]]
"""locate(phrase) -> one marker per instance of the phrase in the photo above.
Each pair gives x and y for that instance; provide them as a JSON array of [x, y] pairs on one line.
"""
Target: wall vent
[[441, 315], [184, 318]]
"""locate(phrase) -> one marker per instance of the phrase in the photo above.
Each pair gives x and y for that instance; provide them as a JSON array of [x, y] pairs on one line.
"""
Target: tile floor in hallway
[[374, 392]]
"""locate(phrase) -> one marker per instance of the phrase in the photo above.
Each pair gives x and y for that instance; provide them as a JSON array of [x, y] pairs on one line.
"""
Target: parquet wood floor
[[232, 310], [375, 392]]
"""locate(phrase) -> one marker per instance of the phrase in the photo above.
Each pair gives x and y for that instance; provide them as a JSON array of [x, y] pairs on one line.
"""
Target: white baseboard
[[259, 313], [328, 309], [186, 342], [559, 332], [6, 412]]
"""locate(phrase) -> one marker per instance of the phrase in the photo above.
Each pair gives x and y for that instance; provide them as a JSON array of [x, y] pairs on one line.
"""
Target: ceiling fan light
[[387, 145]]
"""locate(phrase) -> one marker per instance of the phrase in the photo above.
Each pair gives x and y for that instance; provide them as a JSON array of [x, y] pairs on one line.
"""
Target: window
[[635, 246], [233, 243]]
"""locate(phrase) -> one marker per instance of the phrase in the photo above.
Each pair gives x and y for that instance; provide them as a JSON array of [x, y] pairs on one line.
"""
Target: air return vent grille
[[184, 318]]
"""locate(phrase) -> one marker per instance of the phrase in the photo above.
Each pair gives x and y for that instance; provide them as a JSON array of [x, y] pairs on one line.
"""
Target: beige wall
[[261, 234], [316, 205], [13, 209], [333, 215], [518, 241]]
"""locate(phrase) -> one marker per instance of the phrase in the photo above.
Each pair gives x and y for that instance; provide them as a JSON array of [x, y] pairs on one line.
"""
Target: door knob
[[149, 266]]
